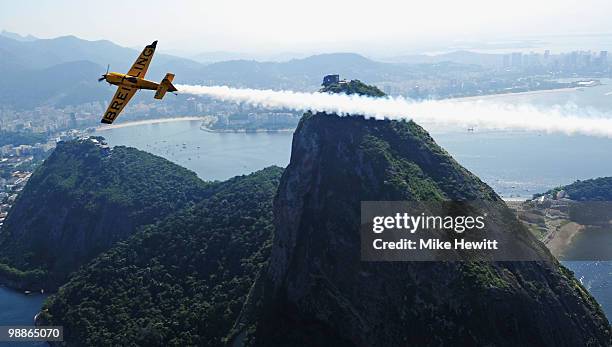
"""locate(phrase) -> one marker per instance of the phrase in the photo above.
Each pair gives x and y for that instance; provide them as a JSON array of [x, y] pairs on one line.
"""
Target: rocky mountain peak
[[317, 290]]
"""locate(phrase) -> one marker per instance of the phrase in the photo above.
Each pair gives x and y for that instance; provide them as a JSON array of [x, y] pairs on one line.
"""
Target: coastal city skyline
[[280, 173]]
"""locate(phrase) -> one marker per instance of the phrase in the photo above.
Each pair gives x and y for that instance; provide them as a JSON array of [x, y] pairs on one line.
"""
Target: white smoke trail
[[466, 113]]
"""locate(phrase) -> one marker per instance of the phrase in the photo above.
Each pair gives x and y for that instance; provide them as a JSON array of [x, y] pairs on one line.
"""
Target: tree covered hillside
[[182, 282], [84, 198], [596, 189], [353, 87]]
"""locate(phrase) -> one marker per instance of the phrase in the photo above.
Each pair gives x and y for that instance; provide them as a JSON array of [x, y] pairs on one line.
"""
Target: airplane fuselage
[[120, 79], [128, 84]]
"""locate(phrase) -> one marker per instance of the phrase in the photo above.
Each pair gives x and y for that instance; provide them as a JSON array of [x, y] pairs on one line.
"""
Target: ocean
[[213, 156], [16, 308], [515, 164]]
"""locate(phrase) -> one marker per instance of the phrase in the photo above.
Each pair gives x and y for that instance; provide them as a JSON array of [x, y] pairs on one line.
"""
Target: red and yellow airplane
[[133, 81]]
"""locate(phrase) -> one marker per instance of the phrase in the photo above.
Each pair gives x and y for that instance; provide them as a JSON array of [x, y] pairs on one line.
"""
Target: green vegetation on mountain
[[17, 278], [84, 198], [353, 87], [316, 289], [596, 189], [182, 282], [274, 258]]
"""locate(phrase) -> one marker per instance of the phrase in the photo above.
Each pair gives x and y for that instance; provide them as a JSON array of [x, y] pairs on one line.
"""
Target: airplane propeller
[[104, 76]]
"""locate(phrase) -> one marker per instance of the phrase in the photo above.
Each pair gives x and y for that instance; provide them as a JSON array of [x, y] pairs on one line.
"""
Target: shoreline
[[561, 239], [530, 92], [204, 127], [149, 121], [244, 131], [549, 224]]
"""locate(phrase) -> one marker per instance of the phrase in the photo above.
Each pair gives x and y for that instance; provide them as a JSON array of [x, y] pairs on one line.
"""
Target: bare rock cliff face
[[317, 291]]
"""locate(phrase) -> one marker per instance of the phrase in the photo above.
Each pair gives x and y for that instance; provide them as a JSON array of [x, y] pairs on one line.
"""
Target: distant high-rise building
[[603, 57], [73, 121], [571, 60], [547, 59], [585, 59], [506, 61], [517, 59], [534, 59]]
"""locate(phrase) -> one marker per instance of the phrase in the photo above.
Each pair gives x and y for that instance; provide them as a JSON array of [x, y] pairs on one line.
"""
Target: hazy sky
[[308, 25]]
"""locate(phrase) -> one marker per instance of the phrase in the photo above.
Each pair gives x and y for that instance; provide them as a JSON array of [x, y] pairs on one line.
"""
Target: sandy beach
[[204, 127], [208, 118], [553, 226], [531, 92], [560, 240], [149, 121]]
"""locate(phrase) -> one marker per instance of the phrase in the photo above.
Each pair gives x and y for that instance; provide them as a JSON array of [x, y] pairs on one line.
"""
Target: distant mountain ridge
[[18, 37], [64, 70], [219, 56], [458, 57], [25, 64], [68, 83], [44, 53]]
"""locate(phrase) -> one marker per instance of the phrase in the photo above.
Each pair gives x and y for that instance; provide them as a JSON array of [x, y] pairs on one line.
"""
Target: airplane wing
[[121, 98], [139, 69]]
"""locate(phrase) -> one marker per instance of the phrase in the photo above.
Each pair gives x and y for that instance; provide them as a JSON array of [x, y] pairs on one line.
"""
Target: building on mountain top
[[330, 79]]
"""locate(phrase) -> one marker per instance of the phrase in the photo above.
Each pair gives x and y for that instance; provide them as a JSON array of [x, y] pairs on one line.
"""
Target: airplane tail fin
[[165, 86]]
